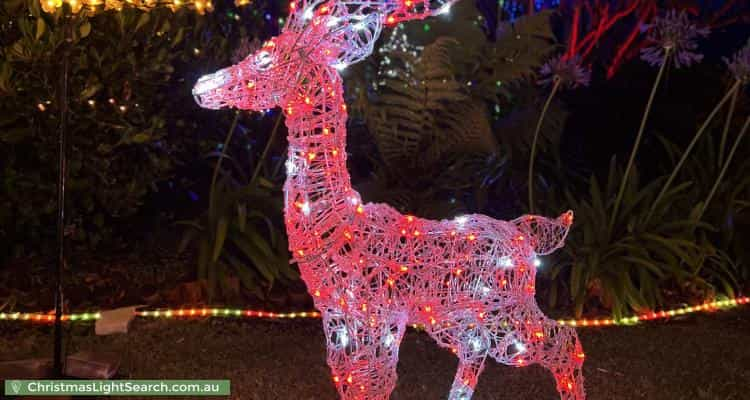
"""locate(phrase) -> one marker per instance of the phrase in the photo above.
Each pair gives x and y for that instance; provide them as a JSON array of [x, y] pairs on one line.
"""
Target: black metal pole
[[62, 177]]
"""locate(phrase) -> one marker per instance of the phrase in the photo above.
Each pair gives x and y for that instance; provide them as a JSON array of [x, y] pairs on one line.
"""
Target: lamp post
[[61, 180]]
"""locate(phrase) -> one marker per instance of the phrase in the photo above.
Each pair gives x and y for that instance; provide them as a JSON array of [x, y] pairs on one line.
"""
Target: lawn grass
[[696, 357]]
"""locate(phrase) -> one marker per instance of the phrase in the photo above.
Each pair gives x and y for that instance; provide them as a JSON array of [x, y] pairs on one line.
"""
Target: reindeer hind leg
[[471, 347], [541, 340], [466, 377]]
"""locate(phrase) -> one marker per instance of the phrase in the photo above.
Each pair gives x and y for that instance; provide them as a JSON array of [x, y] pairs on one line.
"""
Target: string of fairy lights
[[195, 313], [513, 8], [76, 6]]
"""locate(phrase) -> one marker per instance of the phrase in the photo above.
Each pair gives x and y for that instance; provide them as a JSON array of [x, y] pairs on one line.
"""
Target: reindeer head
[[327, 34]]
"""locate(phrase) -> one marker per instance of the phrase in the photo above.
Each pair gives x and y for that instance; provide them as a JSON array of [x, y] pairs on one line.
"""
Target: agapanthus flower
[[245, 48], [739, 64], [568, 69], [675, 33]]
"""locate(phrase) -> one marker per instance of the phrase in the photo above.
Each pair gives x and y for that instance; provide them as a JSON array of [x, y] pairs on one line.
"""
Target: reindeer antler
[[357, 23], [406, 10]]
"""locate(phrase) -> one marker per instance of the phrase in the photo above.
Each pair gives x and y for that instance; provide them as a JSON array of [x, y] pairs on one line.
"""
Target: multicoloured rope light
[[657, 315], [225, 312], [42, 317], [241, 313]]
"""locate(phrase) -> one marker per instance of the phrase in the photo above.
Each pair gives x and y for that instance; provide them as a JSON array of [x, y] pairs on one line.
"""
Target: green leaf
[[246, 275], [41, 27], [34, 7], [576, 286], [241, 216], [178, 37], [221, 235], [256, 255], [165, 27], [553, 295], [648, 264], [261, 243], [142, 20], [141, 138], [90, 91], [85, 29]]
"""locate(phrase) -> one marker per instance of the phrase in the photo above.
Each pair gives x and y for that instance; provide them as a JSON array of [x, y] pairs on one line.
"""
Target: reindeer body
[[371, 270]]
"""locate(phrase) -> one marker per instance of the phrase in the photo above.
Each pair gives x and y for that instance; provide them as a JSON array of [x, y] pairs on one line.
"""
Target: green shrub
[[632, 266], [132, 119]]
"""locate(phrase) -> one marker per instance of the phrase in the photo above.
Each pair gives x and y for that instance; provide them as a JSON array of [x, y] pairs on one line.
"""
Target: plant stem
[[692, 144], [727, 124], [536, 138], [638, 138], [724, 169], [227, 140], [262, 158]]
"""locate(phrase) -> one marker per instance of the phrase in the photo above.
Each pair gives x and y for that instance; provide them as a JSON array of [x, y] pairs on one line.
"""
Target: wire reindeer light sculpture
[[370, 269]]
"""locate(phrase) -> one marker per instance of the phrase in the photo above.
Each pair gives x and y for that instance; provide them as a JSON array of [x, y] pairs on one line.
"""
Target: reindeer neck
[[319, 199]]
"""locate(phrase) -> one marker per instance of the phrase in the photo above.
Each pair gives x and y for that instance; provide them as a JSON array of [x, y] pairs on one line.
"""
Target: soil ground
[[703, 356]]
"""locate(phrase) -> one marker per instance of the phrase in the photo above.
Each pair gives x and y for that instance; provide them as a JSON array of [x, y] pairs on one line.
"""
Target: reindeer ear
[[405, 10], [357, 34]]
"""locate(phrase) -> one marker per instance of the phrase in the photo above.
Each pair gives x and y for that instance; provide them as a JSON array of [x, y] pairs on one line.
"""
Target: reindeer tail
[[546, 235]]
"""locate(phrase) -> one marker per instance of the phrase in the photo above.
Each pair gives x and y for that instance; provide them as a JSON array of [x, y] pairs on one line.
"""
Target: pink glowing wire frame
[[370, 269]]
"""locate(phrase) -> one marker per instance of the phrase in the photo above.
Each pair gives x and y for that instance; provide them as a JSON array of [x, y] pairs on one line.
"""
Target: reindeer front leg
[[565, 360], [471, 343], [558, 349], [363, 353]]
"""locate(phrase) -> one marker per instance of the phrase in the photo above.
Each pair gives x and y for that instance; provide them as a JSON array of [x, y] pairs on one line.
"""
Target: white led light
[[308, 13], [388, 341], [461, 220], [506, 261], [207, 83], [291, 169], [445, 9], [537, 262], [343, 337], [264, 60], [306, 208]]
